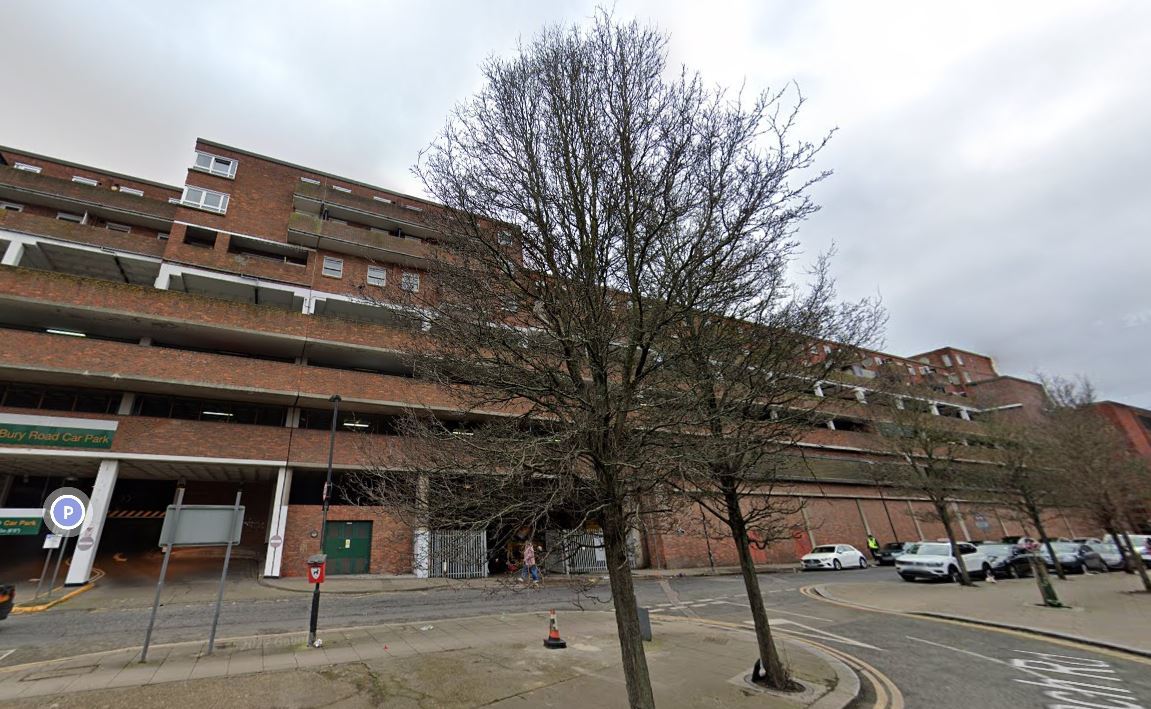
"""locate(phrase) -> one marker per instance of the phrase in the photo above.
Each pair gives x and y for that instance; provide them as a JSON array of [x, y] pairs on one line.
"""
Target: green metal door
[[349, 547]]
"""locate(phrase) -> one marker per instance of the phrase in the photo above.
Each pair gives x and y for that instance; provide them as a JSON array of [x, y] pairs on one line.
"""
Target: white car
[[933, 560], [834, 556]]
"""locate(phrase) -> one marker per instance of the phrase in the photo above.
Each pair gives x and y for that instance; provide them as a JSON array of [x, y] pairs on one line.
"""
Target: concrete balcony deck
[[29, 187], [309, 230], [33, 225]]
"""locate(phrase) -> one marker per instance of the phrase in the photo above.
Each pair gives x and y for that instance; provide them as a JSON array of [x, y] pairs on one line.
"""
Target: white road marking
[[6, 654], [779, 610], [816, 632], [958, 649]]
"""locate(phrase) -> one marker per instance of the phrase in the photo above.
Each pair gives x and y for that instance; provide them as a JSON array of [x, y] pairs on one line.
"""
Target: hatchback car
[[1074, 558], [1007, 560], [834, 556], [1109, 554], [888, 552]]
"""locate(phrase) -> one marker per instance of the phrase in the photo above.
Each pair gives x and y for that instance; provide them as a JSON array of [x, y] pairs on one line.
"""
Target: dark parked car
[[1109, 554], [7, 596], [1007, 560], [890, 550], [1075, 558]]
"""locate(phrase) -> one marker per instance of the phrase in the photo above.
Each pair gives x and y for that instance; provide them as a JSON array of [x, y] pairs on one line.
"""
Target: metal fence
[[458, 554], [574, 552]]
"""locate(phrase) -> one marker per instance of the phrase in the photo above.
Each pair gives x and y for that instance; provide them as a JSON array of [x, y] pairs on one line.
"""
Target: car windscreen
[[1065, 547], [893, 546], [934, 549], [823, 550], [1104, 548]]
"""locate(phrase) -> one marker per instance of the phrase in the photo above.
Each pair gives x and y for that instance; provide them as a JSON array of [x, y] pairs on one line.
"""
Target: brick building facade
[[211, 321]]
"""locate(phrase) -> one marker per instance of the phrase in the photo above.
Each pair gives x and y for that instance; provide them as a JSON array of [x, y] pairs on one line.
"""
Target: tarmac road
[[932, 663]]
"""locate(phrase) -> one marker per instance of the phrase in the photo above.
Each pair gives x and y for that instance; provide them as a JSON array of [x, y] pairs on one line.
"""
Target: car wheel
[[986, 571], [862, 563], [1009, 572], [836, 565], [909, 579], [953, 575]]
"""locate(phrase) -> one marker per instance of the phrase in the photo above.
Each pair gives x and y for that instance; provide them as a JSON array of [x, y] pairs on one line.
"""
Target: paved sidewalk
[[491, 660], [1105, 608]]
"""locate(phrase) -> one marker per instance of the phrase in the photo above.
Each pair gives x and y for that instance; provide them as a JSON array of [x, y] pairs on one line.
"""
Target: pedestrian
[[529, 568], [873, 546]]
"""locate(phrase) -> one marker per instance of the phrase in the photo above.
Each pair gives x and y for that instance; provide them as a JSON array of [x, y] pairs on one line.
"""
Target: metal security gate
[[572, 552], [458, 554]]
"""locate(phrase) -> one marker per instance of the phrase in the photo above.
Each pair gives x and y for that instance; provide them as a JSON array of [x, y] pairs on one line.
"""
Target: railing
[[458, 554], [30, 182]]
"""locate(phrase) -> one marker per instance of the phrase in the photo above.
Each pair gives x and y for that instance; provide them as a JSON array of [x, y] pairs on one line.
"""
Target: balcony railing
[[80, 234], [30, 187], [310, 230]]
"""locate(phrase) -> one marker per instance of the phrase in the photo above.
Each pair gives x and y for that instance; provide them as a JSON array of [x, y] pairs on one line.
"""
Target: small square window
[[505, 238], [86, 180], [410, 282], [959, 359], [333, 267], [911, 370], [162, 236], [309, 180], [377, 276], [967, 377], [113, 226], [341, 189], [131, 190], [378, 198], [201, 198], [11, 206], [28, 168], [827, 349], [924, 370], [70, 217]]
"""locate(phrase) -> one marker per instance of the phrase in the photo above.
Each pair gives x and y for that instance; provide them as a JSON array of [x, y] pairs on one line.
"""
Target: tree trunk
[[639, 694], [1128, 566], [776, 675], [1042, 532], [1138, 562], [945, 517]]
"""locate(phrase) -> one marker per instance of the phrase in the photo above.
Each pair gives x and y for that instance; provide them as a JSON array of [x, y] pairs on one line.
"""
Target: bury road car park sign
[[55, 432], [20, 522]]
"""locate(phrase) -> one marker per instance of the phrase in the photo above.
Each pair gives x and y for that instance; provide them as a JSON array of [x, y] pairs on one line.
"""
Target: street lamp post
[[324, 521]]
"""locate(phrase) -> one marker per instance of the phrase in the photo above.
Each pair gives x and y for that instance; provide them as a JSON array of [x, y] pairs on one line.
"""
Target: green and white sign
[[55, 432], [20, 522]]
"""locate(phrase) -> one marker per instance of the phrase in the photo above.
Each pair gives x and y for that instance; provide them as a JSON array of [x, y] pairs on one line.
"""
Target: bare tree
[[594, 201], [751, 374], [934, 459], [1102, 475], [1026, 486]]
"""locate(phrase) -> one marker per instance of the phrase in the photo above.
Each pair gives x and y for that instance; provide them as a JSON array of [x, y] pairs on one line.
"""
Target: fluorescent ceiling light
[[217, 413], [70, 333], [355, 424]]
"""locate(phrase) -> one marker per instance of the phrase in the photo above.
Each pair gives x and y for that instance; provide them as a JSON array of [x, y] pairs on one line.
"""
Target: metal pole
[[56, 570], [223, 576], [44, 571], [163, 573], [313, 620]]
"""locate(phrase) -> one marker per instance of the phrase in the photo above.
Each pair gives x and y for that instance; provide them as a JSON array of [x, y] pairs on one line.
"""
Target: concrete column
[[81, 569], [278, 524], [962, 524], [964, 415], [1002, 524], [807, 527], [164, 278], [421, 537], [859, 506], [1070, 530], [13, 253], [6, 483], [127, 401], [830, 424], [861, 396], [911, 513], [934, 409], [818, 389]]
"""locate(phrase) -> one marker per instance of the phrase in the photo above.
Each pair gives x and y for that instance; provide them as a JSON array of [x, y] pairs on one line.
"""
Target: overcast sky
[[991, 165]]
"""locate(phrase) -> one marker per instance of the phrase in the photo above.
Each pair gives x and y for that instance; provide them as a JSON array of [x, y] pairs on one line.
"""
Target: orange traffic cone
[[553, 640]]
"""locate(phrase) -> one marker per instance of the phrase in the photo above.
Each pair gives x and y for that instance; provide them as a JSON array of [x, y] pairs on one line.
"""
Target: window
[[341, 189], [36, 396], [216, 165], [113, 226], [378, 198], [959, 359], [11, 206], [410, 282], [505, 238], [207, 410], [162, 236], [946, 361], [911, 370], [967, 377], [130, 190], [377, 276], [309, 180], [827, 349], [70, 217], [86, 181], [924, 370], [27, 168], [205, 238], [272, 251], [205, 199], [333, 267]]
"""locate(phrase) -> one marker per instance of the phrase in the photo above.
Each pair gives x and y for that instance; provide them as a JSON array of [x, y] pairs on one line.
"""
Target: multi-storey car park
[[205, 327]]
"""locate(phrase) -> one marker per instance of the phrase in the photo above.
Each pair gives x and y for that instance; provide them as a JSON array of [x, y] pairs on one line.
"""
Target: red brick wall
[[391, 540]]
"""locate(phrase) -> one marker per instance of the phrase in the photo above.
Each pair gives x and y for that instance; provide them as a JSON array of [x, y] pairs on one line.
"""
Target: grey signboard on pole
[[202, 526]]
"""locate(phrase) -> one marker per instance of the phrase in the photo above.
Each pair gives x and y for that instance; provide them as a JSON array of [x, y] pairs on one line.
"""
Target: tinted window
[[934, 549], [823, 550]]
